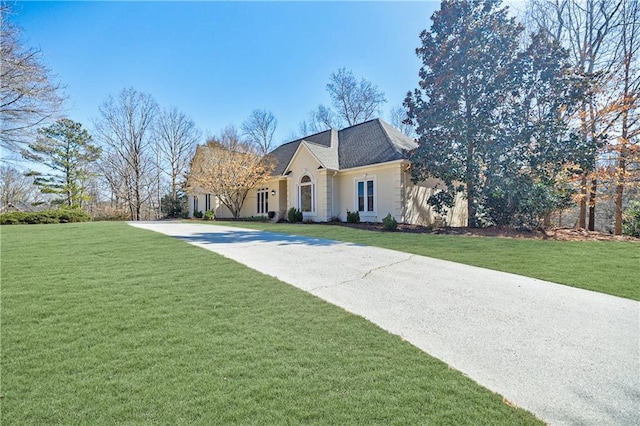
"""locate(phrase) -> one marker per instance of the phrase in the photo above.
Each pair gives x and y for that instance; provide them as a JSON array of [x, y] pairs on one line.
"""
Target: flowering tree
[[229, 169]]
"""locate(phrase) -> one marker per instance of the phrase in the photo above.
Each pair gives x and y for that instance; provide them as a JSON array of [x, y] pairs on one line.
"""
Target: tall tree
[[491, 116], [587, 28], [229, 169], [176, 137], [29, 96], [354, 101], [67, 150], [589, 32], [125, 128], [259, 128], [627, 108], [463, 80], [526, 170]]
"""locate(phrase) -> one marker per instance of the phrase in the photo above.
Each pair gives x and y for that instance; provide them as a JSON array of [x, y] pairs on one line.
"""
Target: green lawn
[[610, 267], [103, 323]]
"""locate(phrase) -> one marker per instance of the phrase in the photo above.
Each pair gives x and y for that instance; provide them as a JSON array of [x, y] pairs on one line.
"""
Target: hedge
[[44, 216]]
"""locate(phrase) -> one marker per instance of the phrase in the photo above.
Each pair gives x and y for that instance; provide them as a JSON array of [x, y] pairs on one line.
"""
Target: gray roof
[[328, 156], [371, 142]]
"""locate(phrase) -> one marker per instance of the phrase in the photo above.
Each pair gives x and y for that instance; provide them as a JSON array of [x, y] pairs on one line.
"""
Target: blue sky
[[217, 61]]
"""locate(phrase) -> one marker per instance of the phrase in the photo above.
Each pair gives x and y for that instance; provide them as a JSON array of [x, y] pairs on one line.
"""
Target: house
[[360, 168]]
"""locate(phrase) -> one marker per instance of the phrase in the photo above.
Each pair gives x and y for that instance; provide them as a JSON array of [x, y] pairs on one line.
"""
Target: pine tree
[[65, 148]]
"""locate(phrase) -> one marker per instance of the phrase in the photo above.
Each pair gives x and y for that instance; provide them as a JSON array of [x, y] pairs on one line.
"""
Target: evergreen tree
[[491, 117], [66, 149], [463, 81]]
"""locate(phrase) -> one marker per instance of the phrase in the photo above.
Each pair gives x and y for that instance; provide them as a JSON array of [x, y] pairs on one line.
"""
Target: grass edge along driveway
[[103, 323], [609, 267]]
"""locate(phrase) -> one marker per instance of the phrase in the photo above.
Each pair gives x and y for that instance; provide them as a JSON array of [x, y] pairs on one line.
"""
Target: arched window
[[306, 195]]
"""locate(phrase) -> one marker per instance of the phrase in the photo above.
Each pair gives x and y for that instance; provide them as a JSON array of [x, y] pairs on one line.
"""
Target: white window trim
[[265, 201], [196, 204], [299, 186], [365, 178]]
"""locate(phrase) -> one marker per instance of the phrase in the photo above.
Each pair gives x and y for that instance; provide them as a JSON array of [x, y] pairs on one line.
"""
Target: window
[[263, 201], [365, 196], [207, 202], [195, 203], [307, 204]]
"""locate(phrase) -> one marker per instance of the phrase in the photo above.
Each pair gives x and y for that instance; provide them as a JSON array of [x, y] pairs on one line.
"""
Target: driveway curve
[[568, 355]]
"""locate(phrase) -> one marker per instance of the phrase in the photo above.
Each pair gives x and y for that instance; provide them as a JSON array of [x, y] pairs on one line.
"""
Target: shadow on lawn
[[231, 237]]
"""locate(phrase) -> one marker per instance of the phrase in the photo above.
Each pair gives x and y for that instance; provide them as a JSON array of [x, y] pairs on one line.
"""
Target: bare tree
[[627, 146], [28, 94], [124, 129], [176, 137], [229, 169], [15, 187], [115, 173], [319, 120], [259, 129], [587, 29], [398, 117], [354, 101]]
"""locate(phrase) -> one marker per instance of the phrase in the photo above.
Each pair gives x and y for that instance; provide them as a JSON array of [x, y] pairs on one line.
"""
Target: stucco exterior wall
[[419, 212], [304, 164], [250, 206], [335, 192], [387, 191], [219, 209]]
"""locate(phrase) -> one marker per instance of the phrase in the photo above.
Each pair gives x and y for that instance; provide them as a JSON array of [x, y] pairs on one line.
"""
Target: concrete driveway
[[570, 356]]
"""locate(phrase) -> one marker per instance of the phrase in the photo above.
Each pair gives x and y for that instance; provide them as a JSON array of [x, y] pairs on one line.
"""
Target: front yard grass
[[103, 323], [611, 267]]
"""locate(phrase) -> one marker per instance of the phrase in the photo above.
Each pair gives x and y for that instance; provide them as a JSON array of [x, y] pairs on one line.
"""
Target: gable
[[368, 143], [304, 159]]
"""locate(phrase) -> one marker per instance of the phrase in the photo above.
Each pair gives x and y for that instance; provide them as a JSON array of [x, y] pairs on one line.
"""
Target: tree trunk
[[619, 192], [471, 222], [592, 204], [582, 217], [471, 210]]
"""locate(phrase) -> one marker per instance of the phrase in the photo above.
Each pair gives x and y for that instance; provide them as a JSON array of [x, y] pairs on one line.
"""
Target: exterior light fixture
[[273, 192]]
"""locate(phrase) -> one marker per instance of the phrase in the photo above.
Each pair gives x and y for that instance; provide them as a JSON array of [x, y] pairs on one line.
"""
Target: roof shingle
[[371, 142]]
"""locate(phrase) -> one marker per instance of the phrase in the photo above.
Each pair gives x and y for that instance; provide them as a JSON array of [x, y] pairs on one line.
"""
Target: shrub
[[65, 215], [72, 215], [255, 218], [110, 213], [294, 215], [389, 223], [197, 214], [631, 220], [353, 217], [271, 214], [175, 208], [209, 215]]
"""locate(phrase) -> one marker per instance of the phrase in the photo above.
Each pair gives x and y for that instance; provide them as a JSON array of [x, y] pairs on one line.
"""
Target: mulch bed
[[559, 234]]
